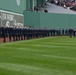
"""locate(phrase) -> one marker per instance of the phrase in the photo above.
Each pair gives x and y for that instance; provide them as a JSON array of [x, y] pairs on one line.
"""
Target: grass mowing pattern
[[44, 56]]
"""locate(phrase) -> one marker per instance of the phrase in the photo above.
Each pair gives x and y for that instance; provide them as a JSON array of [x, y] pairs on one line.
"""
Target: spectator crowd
[[68, 4]]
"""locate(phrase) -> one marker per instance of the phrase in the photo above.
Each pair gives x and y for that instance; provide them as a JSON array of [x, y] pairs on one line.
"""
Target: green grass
[[44, 56]]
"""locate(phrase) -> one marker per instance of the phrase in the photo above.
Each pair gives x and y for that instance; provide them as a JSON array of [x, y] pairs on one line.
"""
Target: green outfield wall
[[31, 19], [30, 4], [40, 2], [18, 6], [10, 19], [13, 5], [13, 9], [49, 20]]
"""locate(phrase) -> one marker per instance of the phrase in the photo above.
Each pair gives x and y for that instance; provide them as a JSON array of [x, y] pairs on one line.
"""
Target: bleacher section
[[52, 8]]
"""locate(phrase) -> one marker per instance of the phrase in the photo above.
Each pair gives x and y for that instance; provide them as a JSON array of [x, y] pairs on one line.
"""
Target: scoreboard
[[8, 19]]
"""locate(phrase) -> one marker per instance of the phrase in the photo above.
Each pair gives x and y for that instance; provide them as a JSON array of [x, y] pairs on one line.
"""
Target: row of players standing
[[16, 34], [72, 32]]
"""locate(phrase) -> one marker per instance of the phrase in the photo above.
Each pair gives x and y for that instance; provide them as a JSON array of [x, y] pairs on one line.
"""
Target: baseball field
[[42, 56]]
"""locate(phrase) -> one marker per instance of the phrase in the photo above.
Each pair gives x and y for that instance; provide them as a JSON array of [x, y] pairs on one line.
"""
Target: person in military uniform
[[10, 32], [74, 33], [5, 33], [1, 32], [71, 32]]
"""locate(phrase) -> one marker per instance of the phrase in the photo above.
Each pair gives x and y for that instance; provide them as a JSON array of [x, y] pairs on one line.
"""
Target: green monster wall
[[13, 5], [29, 3], [19, 6], [31, 19], [40, 2], [50, 20]]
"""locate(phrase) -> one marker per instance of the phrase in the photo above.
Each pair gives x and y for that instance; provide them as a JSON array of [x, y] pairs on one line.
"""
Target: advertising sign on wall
[[8, 19]]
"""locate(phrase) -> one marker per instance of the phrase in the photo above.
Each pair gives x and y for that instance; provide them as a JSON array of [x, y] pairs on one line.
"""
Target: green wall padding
[[11, 5], [50, 20], [32, 19]]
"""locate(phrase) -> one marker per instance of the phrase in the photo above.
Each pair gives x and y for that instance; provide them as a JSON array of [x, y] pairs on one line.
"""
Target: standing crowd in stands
[[68, 4], [17, 34]]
